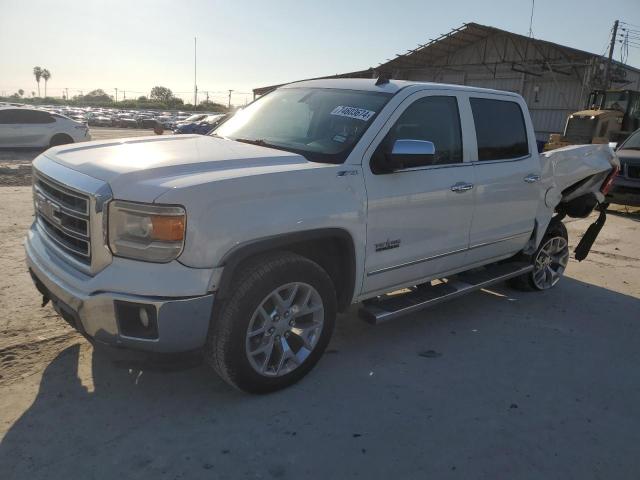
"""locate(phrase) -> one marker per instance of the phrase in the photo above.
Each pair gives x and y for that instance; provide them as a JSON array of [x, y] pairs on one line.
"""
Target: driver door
[[419, 218]]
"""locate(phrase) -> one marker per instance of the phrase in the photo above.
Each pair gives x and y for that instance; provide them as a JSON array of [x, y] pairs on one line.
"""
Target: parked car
[[29, 127], [167, 121], [99, 121], [247, 242], [127, 122], [626, 185], [192, 119], [149, 123], [200, 127]]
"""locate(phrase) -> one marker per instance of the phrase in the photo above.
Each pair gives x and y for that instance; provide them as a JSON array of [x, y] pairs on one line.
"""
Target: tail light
[[608, 182]]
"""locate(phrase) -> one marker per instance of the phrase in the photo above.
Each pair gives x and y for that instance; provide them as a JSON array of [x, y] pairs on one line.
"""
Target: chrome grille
[[633, 171], [63, 215]]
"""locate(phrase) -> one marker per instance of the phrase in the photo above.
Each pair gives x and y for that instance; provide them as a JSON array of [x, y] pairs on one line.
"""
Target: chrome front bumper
[[180, 300]]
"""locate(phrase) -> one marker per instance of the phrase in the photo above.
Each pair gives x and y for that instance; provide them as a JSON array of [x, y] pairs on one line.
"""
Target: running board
[[387, 307]]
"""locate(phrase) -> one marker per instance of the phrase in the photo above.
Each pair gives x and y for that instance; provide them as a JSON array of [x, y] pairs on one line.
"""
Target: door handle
[[532, 178], [461, 187]]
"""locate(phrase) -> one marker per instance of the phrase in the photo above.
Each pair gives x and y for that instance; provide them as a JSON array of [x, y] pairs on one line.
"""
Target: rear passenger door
[[507, 173], [9, 129]]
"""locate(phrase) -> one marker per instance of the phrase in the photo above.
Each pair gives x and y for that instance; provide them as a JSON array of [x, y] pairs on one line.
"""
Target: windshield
[[194, 118], [616, 101], [632, 143], [323, 125]]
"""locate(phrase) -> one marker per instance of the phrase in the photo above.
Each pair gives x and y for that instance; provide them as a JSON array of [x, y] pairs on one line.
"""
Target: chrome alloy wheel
[[550, 263], [284, 329]]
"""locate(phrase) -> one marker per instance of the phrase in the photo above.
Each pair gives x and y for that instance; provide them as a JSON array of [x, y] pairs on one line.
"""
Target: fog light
[[144, 318], [138, 320]]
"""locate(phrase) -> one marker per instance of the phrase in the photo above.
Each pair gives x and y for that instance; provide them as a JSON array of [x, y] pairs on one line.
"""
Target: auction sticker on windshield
[[353, 112]]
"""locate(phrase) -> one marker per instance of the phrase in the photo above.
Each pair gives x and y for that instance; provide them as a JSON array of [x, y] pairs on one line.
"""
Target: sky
[[134, 45]]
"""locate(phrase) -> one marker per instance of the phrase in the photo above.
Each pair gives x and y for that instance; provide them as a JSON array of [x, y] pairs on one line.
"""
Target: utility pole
[[533, 6], [207, 92], [195, 71], [607, 75], [124, 95], [229, 107], [116, 95], [67, 92]]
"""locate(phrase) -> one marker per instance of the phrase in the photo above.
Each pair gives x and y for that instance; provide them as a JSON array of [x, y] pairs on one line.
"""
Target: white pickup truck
[[245, 244]]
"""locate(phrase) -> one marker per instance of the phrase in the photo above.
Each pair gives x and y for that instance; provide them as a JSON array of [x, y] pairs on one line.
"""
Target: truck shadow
[[529, 374]]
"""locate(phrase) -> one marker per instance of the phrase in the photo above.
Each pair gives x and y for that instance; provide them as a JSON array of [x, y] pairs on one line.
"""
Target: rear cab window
[[501, 132]]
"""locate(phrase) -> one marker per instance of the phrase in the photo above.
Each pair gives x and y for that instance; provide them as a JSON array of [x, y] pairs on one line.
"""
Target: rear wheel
[[275, 325], [60, 139], [549, 261]]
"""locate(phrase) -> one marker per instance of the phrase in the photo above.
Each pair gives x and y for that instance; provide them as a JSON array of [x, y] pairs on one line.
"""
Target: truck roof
[[392, 86]]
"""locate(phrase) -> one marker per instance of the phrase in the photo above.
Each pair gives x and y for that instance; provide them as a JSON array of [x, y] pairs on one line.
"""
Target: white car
[[246, 243], [30, 127]]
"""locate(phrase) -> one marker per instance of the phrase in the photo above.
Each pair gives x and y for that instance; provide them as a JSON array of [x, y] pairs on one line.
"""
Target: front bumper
[[181, 321]]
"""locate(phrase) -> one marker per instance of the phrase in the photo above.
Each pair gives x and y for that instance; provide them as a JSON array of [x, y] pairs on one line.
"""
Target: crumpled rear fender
[[569, 173]]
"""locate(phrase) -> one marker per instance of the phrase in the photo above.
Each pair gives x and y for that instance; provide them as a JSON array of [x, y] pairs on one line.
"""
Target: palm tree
[[21, 92], [37, 72], [46, 75]]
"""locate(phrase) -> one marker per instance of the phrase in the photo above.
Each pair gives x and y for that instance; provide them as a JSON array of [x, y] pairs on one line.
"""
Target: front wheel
[[549, 261], [275, 325]]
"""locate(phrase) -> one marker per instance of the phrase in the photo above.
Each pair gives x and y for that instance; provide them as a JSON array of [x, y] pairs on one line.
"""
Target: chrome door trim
[[505, 239], [441, 255], [504, 160]]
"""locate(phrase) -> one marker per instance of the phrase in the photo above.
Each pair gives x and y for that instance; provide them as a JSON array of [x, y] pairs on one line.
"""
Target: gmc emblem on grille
[[48, 209]]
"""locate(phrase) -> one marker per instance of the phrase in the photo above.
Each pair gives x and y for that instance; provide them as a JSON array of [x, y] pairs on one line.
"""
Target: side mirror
[[413, 148], [409, 154]]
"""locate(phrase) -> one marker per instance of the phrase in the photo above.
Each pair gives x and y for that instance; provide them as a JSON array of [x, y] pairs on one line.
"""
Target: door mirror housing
[[405, 153], [413, 148]]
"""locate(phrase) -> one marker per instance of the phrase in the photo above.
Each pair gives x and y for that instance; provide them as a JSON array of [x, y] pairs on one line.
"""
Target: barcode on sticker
[[353, 112]]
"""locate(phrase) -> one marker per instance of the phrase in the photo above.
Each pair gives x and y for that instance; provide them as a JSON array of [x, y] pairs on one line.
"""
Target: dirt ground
[[501, 384]]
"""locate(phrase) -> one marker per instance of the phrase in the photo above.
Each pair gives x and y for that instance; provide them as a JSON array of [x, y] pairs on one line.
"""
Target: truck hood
[[598, 113], [141, 169]]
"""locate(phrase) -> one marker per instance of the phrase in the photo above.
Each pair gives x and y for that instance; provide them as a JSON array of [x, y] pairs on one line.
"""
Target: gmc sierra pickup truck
[[245, 244]]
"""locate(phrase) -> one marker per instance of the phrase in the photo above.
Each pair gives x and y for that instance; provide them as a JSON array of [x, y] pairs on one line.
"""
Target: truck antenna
[[382, 79]]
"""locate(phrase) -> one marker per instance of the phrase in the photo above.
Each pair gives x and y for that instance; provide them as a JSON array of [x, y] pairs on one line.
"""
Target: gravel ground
[[500, 384]]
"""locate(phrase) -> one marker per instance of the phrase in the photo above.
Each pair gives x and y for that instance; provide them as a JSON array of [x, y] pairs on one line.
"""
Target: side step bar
[[387, 307]]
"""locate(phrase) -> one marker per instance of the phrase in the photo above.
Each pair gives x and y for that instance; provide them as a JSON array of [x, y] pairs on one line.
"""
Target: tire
[[249, 320], [555, 240], [60, 139]]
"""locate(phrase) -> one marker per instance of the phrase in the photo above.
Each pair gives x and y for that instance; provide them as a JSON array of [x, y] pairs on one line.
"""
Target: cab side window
[[435, 119], [500, 129], [8, 116], [33, 117]]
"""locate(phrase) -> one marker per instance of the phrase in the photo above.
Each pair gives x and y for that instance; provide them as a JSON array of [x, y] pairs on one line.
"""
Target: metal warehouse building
[[553, 79]]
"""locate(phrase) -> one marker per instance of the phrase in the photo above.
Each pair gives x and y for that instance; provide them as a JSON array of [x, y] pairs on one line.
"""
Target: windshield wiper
[[260, 142]]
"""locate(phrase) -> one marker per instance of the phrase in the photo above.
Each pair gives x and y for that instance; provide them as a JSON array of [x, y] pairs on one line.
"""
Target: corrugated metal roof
[[437, 50]]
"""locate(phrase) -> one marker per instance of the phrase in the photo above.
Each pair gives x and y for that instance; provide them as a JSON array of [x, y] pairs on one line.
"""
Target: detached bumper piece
[[587, 241]]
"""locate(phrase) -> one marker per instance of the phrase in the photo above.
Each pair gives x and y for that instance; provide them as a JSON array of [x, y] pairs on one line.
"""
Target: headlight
[[153, 233]]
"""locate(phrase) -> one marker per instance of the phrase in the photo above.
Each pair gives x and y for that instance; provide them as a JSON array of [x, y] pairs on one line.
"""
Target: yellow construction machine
[[609, 116]]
